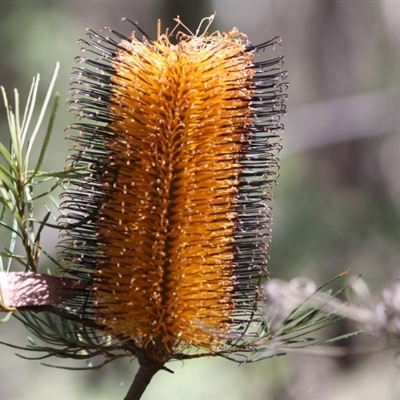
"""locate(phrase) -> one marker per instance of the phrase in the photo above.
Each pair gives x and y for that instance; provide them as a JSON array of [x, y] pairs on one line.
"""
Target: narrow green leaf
[[6, 105], [7, 317], [10, 251], [341, 337], [17, 120], [8, 158], [51, 258], [47, 137], [48, 191], [16, 147], [8, 180], [7, 198], [63, 174], [10, 254], [40, 229], [42, 113], [10, 228], [30, 106]]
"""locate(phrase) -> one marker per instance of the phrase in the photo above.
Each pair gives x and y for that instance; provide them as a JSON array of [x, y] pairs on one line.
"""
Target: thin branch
[[342, 119], [142, 379], [151, 360]]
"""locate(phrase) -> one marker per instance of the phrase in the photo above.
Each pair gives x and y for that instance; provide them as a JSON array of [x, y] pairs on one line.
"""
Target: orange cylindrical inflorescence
[[170, 222]]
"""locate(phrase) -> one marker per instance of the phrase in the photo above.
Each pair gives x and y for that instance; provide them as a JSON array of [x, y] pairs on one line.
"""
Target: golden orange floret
[[179, 116]]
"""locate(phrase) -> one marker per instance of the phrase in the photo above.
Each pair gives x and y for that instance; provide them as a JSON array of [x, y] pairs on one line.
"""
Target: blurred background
[[336, 206]]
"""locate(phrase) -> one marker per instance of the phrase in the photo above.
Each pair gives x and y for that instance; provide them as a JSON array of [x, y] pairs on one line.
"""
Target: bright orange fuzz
[[169, 224], [181, 112]]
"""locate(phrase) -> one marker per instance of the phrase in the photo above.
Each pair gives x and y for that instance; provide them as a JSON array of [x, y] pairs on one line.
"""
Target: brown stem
[[147, 370], [151, 359]]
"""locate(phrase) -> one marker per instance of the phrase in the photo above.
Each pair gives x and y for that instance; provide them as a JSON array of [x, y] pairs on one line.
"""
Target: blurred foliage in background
[[337, 204]]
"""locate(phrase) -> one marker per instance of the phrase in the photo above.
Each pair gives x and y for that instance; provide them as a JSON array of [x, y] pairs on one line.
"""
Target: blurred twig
[[343, 119]]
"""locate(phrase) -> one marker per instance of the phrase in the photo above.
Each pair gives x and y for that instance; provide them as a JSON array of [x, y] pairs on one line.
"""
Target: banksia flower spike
[[169, 225]]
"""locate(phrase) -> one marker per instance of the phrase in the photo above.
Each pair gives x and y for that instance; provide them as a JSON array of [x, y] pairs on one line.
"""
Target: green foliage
[[296, 326], [63, 338], [18, 178]]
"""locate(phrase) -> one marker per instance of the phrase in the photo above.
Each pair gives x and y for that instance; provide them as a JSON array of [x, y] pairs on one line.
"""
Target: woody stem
[[143, 377]]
